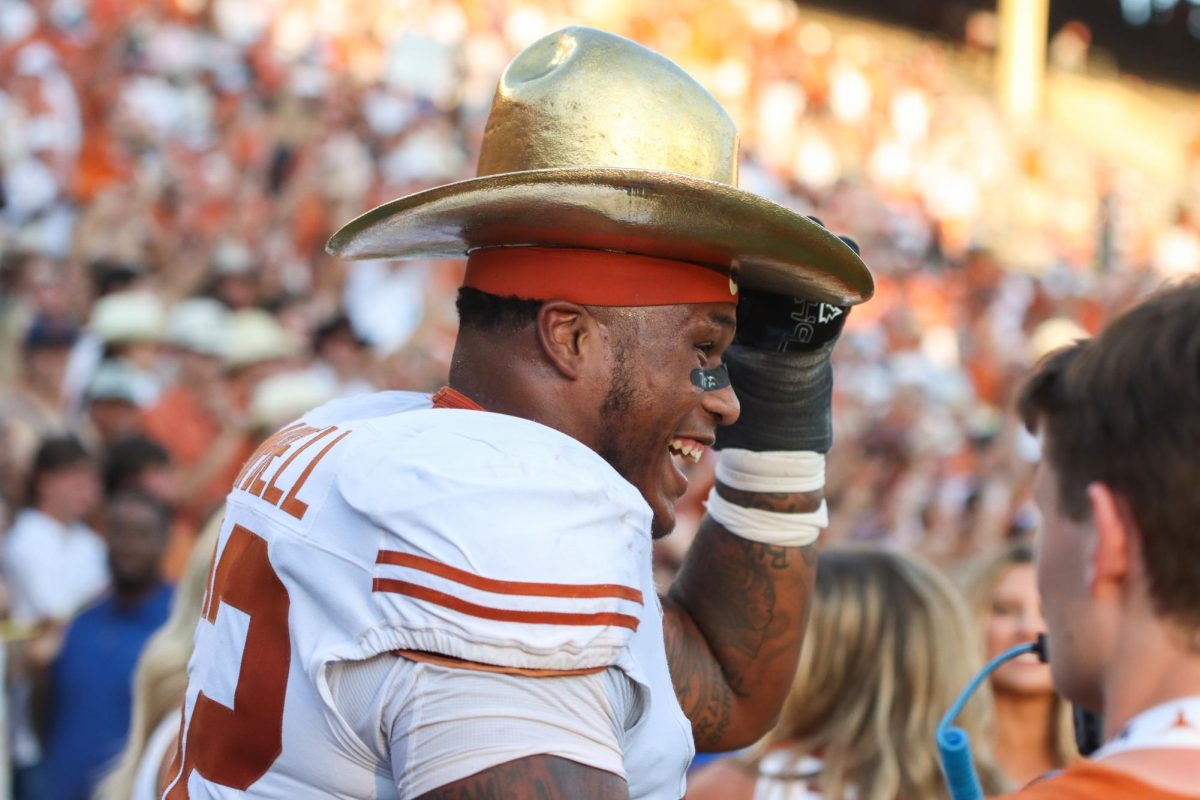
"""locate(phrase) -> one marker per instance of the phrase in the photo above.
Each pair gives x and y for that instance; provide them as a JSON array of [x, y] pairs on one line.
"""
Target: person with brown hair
[[452, 595], [1034, 728], [53, 565], [1119, 557], [888, 644]]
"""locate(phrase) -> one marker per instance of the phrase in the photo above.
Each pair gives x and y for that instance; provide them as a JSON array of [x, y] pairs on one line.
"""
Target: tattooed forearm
[[783, 502], [535, 778], [700, 685], [734, 621]]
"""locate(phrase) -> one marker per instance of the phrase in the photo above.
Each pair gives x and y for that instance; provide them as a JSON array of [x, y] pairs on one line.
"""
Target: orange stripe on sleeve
[[477, 666], [391, 586], [569, 590]]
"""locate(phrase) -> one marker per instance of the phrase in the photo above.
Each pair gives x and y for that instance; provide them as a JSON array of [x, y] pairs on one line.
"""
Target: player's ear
[[1115, 537], [567, 336]]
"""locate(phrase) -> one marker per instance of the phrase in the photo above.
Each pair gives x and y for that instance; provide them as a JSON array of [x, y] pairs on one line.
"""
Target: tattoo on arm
[[734, 621], [535, 778], [781, 503]]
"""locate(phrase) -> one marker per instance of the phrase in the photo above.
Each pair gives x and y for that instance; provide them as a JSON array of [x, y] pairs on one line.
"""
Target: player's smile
[[664, 414]]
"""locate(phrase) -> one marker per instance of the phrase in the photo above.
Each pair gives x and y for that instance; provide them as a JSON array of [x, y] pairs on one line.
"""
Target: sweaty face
[[1063, 548], [1015, 618], [651, 412]]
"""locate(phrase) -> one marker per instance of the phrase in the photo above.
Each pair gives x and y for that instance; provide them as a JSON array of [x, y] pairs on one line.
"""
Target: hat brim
[[761, 243]]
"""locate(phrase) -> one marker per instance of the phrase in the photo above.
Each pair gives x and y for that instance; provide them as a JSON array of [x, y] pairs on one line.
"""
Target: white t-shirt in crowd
[[52, 569]]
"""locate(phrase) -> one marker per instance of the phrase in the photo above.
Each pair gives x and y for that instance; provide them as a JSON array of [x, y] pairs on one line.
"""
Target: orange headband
[[594, 277]]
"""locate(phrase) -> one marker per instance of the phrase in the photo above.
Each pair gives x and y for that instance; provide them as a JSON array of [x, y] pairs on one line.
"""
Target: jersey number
[[235, 747]]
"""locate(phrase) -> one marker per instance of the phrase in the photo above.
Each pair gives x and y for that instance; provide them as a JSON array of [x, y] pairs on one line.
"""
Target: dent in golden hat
[[594, 141]]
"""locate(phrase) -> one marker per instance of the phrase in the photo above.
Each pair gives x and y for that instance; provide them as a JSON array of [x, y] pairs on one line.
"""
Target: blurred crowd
[[171, 170]]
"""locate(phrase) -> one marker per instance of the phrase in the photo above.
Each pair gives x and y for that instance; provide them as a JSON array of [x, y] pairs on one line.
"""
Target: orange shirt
[[187, 430], [1087, 780]]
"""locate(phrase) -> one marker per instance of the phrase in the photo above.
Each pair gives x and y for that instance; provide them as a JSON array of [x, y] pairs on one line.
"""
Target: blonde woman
[[159, 684], [1034, 732], [889, 646]]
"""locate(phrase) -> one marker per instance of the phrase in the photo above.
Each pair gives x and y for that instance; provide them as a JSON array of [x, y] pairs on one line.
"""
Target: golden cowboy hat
[[595, 142]]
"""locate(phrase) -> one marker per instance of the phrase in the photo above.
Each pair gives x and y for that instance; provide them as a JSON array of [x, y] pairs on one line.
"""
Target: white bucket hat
[[254, 337], [201, 325], [124, 317], [281, 398]]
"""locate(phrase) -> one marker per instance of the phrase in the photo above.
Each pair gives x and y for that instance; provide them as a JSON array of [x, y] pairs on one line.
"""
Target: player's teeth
[[685, 448]]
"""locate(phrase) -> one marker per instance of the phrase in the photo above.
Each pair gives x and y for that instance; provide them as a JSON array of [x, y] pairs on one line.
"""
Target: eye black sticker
[[710, 380]]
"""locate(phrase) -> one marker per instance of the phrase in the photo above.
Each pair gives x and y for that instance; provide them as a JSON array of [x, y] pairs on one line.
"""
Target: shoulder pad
[[502, 541]]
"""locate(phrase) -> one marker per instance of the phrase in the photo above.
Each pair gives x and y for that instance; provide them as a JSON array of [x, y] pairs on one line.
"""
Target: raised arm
[[735, 617], [734, 622]]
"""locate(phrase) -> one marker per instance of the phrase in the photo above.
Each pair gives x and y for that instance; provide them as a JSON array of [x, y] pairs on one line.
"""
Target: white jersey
[[379, 524]]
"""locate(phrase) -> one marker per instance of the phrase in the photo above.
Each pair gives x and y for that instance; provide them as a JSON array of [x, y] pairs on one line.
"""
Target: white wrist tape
[[774, 471]]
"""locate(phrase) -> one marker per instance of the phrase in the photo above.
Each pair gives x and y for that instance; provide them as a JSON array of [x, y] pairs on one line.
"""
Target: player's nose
[[723, 404]]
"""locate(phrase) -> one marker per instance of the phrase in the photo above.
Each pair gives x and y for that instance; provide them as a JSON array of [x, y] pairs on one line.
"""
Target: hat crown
[[585, 98]]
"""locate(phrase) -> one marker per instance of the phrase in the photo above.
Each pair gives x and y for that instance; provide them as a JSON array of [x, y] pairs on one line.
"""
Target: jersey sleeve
[[436, 725], [501, 542]]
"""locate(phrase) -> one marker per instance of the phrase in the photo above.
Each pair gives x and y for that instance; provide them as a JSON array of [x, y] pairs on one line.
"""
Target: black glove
[[779, 365]]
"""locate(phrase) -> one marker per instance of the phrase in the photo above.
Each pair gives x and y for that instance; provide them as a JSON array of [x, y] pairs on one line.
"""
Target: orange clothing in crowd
[[1087, 780], [187, 430]]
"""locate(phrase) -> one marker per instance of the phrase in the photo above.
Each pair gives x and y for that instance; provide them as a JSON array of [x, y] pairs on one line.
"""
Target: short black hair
[[128, 458], [338, 325], [491, 313], [55, 453], [161, 510], [111, 275]]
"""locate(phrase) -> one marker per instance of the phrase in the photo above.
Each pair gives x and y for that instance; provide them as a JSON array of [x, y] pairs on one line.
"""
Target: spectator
[[33, 409], [54, 564], [342, 358], [131, 326], [889, 646], [159, 684], [233, 276], [194, 419], [31, 286], [90, 682], [111, 403], [259, 347], [1034, 729], [140, 464], [1119, 552], [281, 398]]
